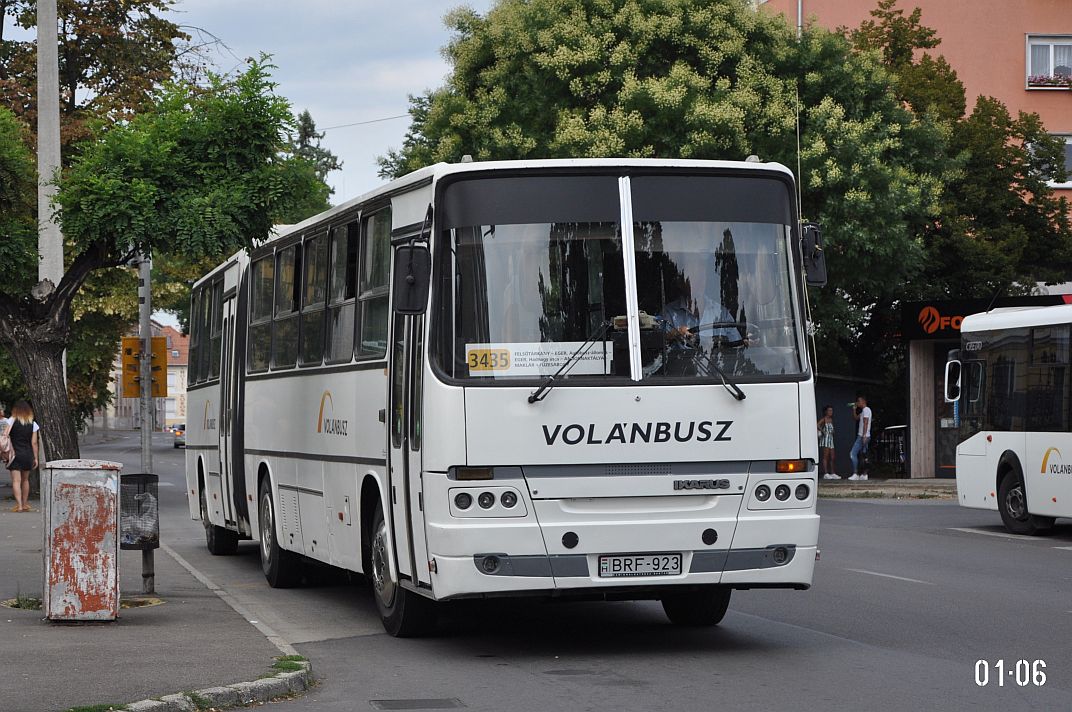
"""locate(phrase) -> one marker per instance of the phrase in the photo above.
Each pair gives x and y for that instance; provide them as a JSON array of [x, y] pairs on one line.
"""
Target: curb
[[284, 684]]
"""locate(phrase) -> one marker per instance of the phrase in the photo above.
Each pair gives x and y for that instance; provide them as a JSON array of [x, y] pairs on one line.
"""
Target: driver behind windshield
[[688, 320]]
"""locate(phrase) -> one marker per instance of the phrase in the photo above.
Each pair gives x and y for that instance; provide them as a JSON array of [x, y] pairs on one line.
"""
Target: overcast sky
[[344, 60]]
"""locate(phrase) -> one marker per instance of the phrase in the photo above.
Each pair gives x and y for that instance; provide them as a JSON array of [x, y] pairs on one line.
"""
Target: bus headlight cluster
[[781, 495], [487, 502]]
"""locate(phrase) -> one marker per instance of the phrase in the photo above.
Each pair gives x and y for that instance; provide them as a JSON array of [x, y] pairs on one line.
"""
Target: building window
[[1068, 164], [1049, 62], [174, 353]]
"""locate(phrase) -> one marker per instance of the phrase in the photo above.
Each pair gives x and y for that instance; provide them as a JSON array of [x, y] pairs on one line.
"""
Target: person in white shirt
[[862, 415]]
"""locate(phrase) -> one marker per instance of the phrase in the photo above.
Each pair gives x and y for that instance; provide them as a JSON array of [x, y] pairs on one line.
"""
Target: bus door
[[226, 410], [404, 446]]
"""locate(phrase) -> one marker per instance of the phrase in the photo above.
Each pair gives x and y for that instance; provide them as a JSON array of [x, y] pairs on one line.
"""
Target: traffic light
[[131, 363]]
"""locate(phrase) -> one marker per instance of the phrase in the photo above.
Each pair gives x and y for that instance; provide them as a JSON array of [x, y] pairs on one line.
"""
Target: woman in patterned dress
[[825, 426]]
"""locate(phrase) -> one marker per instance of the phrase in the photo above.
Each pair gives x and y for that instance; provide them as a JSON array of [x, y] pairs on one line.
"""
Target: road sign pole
[[148, 578]]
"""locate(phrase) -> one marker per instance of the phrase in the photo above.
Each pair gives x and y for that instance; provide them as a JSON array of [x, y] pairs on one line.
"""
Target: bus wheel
[[282, 568], [704, 607], [404, 614], [1012, 504], [219, 540]]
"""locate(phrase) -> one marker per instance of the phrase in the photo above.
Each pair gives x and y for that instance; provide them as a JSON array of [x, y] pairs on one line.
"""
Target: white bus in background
[[489, 379], [1011, 384]]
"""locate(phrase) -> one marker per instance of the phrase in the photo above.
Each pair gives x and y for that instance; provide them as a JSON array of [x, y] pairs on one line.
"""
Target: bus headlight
[[763, 493], [463, 500], [802, 492], [508, 499], [486, 500], [781, 492]]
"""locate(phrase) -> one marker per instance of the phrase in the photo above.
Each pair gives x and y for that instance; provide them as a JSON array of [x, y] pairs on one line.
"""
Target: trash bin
[[139, 518], [80, 506]]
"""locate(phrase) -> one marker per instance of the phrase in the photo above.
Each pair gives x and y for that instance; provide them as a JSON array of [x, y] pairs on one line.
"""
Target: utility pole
[[49, 239], [145, 310]]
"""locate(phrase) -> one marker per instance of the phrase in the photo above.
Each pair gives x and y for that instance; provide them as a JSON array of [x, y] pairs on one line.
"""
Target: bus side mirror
[[814, 257], [952, 381], [412, 276]]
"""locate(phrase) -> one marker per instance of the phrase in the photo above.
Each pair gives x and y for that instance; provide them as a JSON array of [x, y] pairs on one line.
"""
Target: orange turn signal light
[[788, 466]]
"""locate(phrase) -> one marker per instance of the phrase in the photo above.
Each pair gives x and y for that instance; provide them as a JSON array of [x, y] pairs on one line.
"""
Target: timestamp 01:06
[[1018, 672]]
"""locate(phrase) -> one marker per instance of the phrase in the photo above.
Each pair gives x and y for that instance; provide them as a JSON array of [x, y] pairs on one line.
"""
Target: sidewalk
[[922, 488], [193, 641]]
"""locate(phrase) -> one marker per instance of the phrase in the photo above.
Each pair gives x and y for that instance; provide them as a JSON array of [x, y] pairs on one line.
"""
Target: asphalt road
[[908, 596]]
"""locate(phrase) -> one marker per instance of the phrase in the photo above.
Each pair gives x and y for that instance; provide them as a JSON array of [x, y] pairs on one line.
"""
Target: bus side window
[[216, 331], [204, 323], [195, 335], [260, 314], [314, 288], [342, 293], [374, 289], [285, 323]]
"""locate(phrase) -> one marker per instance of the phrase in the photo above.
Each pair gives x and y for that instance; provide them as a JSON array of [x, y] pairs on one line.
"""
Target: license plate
[[622, 565]]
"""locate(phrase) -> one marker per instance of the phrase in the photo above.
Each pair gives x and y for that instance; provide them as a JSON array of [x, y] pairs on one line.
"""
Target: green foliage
[[198, 175], [897, 37], [308, 164], [18, 201], [112, 55], [701, 79], [1002, 228]]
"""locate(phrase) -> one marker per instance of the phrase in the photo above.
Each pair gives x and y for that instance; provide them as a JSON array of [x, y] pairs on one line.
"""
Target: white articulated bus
[[1011, 384], [559, 378]]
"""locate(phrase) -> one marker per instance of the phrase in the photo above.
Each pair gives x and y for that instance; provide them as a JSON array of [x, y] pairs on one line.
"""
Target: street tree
[[112, 56], [311, 162], [701, 79], [199, 172]]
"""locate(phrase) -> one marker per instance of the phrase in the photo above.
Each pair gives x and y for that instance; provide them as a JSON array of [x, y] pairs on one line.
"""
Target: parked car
[[179, 431]]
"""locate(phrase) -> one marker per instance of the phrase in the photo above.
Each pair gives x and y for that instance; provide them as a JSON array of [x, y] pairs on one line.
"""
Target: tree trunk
[[41, 365]]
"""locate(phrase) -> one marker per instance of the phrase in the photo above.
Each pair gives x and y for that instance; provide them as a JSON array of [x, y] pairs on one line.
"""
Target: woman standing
[[23, 433], [825, 427]]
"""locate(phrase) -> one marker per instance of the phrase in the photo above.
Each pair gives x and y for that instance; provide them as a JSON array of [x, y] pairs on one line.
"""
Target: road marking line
[[273, 637], [1003, 535], [891, 576], [1063, 548]]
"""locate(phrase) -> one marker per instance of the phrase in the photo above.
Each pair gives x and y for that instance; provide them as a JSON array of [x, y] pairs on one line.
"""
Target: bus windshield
[[537, 273]]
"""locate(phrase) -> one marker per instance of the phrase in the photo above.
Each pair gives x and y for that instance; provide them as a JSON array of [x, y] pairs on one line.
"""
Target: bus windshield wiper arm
[[727, 382], [540, 393]]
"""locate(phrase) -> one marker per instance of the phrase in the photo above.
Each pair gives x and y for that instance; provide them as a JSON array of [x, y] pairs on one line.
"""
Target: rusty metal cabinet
[[80, 504]]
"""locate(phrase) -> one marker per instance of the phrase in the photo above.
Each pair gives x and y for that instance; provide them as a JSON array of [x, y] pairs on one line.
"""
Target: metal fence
[[890, 448]]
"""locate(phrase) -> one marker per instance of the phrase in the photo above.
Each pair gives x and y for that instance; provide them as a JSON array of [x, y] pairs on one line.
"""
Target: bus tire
[[219, 540], [282, 568], [1012, 505], [404, 614], [704, 607]]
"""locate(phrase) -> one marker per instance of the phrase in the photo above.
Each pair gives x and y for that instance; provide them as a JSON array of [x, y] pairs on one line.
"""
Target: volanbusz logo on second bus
[[326, 422], [1055, 466], [630, 433]]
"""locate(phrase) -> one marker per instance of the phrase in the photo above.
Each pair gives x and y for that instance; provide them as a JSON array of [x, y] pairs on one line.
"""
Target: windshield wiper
[[540, 393], [727, 383]]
